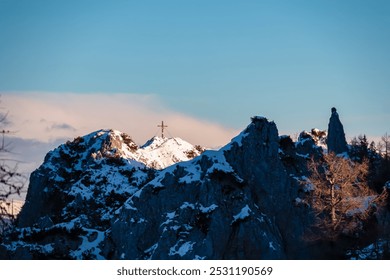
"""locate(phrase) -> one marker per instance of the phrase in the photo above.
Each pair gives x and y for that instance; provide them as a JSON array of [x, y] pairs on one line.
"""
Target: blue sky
[[216, 61]]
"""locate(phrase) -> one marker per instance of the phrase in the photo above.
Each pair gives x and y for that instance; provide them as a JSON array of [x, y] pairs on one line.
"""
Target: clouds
[[61, 126], [42, 121], [50, 116]]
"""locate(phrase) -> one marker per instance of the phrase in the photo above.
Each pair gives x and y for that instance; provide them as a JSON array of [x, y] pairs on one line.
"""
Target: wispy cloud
[[42, 121], [61, 126], [49, 116]]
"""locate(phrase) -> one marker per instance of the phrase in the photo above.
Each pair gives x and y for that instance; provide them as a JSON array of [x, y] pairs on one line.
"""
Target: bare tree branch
[[11, 183], [340, 197]]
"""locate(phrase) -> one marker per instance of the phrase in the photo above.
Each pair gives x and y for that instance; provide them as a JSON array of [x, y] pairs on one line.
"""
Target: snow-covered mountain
[[101, 166], [102, 196], [160, 152], [156, 153]]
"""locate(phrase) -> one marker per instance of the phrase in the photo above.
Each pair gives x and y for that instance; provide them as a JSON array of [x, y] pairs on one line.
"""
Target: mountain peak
[[159, 152], [336, 137], [156, 153], [154, 142]]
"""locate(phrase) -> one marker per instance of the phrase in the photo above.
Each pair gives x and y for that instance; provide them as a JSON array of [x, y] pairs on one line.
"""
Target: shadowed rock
[[336, 137], [88, 200]]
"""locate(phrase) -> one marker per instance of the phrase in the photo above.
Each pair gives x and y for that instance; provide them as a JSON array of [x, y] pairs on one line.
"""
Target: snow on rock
[[305, 182], [208, 209], [160, 152], [239, 137], [89, 247], [315, 139], [244, 213], [171, 215], [150, 251], [181, 249], [156, 153], [107, 197], [271, 245], [374, 251], [187, 205]]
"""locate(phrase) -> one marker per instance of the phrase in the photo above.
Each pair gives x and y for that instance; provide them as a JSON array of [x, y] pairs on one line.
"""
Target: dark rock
[[45, 222], [336, 137], [239, 208], [234, 203]]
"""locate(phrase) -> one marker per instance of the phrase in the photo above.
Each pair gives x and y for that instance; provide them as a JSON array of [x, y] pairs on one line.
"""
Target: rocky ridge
[[92, 198], [102, 197]]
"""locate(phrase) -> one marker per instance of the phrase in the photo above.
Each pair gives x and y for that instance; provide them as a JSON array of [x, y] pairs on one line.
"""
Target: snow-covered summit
[[156, 153], [102, 196], [161, 152]]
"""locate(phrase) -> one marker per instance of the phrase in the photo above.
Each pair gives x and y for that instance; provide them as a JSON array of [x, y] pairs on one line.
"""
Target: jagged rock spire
[[336, 137]]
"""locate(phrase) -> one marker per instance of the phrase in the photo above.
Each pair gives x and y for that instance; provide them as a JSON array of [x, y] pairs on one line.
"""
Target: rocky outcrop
[[100, 163], [336, 137], [228, 204], [91, 198], [68, 174]]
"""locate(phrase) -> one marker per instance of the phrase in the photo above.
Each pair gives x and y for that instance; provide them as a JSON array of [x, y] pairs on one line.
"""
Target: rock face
[[336, 137], [92, 199], [105, 159], [221, 205]]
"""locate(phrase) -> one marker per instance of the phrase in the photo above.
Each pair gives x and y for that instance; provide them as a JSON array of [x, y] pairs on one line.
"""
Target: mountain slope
[[103, 197], [98, 195], [220, 205], [106, 163]]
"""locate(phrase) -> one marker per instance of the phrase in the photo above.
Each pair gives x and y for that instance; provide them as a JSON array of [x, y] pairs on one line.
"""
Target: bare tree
[[11, 183], [386, 145], [384, 150], [340, 196]]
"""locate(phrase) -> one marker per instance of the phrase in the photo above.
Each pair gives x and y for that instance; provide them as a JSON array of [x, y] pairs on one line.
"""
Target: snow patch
[[306, 156], [208, 209], [187, 205], [182, 249], [238, 139], [151, 250], [271, 246], [171, 215], [244, 213], [374, 251]]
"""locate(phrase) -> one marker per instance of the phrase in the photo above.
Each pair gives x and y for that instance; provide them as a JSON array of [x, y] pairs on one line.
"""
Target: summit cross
[[162, 128]]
